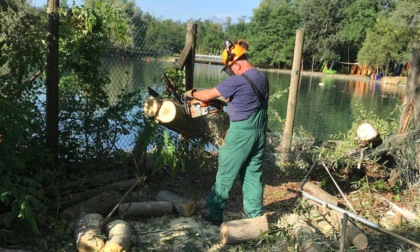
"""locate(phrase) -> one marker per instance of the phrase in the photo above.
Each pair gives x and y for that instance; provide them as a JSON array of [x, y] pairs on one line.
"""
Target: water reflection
[[325, 105]]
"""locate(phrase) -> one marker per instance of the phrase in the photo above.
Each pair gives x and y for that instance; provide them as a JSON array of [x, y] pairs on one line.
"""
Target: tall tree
[[389, 41], [319, 19], [271, 33], [359, 16], [210, 37]]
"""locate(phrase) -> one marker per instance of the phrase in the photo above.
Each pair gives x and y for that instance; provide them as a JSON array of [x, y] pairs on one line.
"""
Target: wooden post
[[188, 55], [343, 232], [51, 130], [286, 142]]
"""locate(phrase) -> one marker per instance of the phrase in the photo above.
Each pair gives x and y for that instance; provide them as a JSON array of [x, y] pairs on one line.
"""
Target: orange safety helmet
[[233, 52]]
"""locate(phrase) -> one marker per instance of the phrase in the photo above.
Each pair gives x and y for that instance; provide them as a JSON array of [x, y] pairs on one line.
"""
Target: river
[[326, 105]]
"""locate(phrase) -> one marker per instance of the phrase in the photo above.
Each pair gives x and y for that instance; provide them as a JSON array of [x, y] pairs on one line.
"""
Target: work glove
[[189, 93]]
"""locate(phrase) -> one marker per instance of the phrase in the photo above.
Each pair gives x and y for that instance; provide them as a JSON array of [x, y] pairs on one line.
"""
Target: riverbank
[[395, 80]]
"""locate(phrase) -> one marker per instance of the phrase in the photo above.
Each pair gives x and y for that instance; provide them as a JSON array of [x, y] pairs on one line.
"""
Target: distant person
[[242, 149]]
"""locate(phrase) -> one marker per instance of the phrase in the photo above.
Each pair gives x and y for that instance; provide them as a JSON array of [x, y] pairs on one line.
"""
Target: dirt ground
[[282, 197]]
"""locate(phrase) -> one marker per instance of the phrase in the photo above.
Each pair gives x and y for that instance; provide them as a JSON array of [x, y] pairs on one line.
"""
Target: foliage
[[23, 156], [91, 125], [210, 37], [339, 155], [389, 40], [273, 28]]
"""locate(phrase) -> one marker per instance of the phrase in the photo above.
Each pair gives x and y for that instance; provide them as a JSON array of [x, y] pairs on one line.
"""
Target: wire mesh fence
[[132, 69]]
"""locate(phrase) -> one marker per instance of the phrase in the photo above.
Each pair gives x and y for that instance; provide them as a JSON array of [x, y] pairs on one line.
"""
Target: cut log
[[303, 233], [145, 209], [353, 234], [12, 250], [316, 191], [88, 233], [122, 185], [182, 205], [152, 106], [238, 231], [320, 222], [173, 116], [96, 180], [101, 204], [119, 237]]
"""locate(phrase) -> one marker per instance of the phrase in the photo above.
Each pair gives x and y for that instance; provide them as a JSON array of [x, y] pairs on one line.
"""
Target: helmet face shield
[[228, 70]]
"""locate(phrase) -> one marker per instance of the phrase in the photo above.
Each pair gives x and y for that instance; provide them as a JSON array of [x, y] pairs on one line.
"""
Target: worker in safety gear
[[241, 152]]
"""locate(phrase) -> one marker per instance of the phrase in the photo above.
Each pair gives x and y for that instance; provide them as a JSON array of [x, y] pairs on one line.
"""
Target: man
[[243, 147]]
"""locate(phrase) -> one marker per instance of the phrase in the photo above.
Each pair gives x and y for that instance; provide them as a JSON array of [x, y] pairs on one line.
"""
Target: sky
[[184, 10]]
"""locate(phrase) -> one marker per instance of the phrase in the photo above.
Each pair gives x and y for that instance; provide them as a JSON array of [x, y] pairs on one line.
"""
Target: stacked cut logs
[[326, 219], [89, 237], [90, 227], [173, 116]]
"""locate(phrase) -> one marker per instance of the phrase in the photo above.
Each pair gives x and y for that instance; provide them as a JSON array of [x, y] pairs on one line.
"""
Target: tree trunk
[[101, 204], [119, 236], [52, 70], [238, 231], [411, 105], [183, 206], [88, 233], [145, 209], [173, 116]]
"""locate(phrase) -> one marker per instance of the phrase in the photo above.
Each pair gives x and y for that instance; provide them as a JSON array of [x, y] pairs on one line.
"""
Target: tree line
[[378, 33]]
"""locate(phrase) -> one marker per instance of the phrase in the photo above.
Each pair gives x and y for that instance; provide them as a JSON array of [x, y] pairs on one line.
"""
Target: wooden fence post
[[286, 142], [186, 59]]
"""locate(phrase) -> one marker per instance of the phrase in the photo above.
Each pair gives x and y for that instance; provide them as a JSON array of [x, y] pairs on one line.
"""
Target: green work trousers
[[241, 155]]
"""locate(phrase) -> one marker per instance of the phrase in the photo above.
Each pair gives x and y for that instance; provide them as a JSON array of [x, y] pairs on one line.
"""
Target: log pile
[[304, 234], [326, 219], [90, 238], [90, 227]]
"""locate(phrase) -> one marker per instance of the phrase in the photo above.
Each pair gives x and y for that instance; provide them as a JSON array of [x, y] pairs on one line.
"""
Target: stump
[[238, 231], [88, 233], [183, 206], [145, 209], [119, 236], [101, 204]]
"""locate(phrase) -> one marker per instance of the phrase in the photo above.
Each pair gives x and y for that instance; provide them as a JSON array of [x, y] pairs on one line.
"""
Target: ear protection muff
[[242, 43]]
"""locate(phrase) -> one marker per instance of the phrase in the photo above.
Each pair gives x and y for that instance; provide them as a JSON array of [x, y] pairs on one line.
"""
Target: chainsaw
[[196, 108]]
